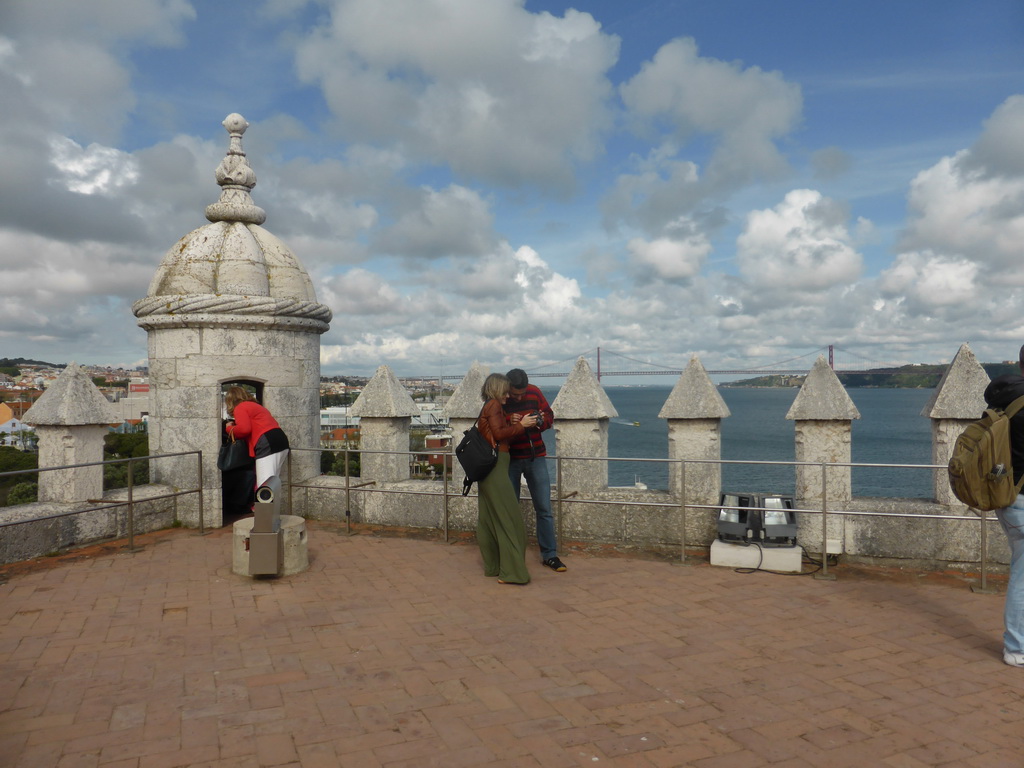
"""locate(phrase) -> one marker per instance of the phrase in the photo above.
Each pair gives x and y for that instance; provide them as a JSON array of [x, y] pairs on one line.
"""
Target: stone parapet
[[582, 411], [35, 530], [958, 400], [463, 409], [823, 412], [694, 411], [385, 412], [71, 419]]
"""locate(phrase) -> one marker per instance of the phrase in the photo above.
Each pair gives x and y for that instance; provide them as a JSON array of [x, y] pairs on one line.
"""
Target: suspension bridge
[[789, 367]]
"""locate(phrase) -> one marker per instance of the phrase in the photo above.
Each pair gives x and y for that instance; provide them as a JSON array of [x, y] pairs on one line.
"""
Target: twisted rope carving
[[231, 305]]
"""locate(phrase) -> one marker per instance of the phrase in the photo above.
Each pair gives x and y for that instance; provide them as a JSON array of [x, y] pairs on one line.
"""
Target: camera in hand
[[539, 417]]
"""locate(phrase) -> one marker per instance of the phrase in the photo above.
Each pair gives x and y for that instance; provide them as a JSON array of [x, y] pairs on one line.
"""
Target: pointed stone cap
[[465, 402], [71, 401], [384, 397], [960, 393], [582, 397], [822, 397], [694, 396]]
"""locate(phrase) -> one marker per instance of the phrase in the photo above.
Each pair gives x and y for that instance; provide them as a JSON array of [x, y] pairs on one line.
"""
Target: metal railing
[[129, 502], [685, 507], [826, 510]]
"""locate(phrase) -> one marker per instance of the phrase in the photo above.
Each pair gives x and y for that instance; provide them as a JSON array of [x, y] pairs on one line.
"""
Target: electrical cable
[[832, 560]]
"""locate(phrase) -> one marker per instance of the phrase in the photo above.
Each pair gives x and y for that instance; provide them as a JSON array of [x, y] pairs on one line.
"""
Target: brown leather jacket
[[495, 427]]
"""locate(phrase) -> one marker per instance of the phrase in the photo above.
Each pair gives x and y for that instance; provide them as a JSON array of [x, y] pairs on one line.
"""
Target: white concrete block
[[787, 559]]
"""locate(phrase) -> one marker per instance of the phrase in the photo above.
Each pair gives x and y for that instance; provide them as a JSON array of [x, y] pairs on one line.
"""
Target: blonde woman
[[250, 421], [500, 532]]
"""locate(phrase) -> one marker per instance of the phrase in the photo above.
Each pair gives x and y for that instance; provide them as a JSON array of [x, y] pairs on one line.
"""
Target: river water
[[890, 430]]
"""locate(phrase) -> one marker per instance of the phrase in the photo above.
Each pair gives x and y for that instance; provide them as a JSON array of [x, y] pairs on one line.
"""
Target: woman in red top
[[250, 421], [500, 532]]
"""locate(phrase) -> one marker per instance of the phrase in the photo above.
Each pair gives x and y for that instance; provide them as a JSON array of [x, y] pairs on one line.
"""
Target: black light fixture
[[734, 518], [755, 518], [778, 521]]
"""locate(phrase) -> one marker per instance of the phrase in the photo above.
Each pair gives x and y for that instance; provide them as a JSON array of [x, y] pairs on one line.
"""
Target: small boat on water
[[636, 423]]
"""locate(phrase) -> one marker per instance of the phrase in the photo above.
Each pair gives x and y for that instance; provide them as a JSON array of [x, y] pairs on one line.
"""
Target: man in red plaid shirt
[[526, 454]]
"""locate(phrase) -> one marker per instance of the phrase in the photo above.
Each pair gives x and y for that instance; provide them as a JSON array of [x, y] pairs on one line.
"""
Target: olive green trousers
[[500, 531]]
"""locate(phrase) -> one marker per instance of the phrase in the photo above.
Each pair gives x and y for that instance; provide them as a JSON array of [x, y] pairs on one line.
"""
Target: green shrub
[[23, 493]]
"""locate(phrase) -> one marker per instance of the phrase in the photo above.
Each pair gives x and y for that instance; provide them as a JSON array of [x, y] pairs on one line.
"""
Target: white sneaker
[[1013, 659]]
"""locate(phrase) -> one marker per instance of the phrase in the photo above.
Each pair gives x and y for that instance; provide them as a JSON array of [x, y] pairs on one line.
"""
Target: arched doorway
[[237, 486]]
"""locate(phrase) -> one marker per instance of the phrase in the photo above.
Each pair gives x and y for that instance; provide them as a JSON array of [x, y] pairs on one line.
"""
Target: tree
[[123, 446], [12, 460], [23, 493]]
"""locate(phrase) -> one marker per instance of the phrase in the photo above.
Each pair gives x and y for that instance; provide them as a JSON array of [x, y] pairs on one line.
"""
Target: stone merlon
[[694, 396], [822, 397], [72, 400], [466, 402], [581, 397], [384, 397], [960, 391]]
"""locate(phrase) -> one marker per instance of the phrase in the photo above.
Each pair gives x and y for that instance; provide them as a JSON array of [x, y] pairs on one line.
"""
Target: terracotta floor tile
[[396, 652]]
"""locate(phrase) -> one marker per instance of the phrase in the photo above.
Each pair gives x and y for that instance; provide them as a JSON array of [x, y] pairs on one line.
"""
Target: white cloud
[[929, 282], [509, 97], [669, 259], [744, 110], [968, 214], [94, 169], [802, 244], [452, 222]]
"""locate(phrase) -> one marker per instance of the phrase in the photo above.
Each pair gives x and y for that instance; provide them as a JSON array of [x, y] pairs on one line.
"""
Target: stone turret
[[582, 411], [230, 303], [463, 409], [71, 419], [385, 410], [694, 411], [958, 400], [823, 413]]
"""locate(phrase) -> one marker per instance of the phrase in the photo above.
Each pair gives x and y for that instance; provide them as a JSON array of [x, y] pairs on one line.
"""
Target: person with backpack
[[500, 532], [1000, 393], [527, 454]]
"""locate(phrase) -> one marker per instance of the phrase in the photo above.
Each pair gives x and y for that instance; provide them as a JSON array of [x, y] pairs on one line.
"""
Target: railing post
[[983, 588], [823, 574], [682, 512], [202, 507], [444, 476], [131, 508], [558, 506], [291, 485], [348, 496]]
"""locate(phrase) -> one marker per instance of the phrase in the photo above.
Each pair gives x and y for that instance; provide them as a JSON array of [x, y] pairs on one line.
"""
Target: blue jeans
[[1012, 520], [539, 482]]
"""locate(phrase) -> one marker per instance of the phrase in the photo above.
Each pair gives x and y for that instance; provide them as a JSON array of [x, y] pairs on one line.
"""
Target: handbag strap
[[477, 425]]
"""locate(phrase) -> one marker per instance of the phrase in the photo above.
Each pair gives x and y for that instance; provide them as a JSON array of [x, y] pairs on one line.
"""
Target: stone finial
[[960, 393], [236, 179], [384, 397], [582, 397], [694, 396], [822, 397], [72, 400], [465, 402]]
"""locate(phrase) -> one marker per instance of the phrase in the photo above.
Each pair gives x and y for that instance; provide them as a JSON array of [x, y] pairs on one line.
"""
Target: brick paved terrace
[[397, 652]]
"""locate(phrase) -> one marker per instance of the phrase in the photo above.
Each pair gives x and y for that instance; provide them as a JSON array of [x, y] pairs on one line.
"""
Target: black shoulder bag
[[476, 455]]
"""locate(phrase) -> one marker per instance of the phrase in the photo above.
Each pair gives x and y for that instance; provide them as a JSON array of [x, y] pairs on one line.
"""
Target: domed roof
[[232, 266]]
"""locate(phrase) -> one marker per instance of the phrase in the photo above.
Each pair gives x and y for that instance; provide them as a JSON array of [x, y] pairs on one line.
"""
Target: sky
[[521, 182]]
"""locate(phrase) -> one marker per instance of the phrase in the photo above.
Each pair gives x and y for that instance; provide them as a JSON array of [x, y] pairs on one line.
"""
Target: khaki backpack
[[981, 466]]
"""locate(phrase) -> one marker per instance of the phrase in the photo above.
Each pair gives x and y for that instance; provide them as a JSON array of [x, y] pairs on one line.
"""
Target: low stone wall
[[45, 527], [648, 518], [633, 517]]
